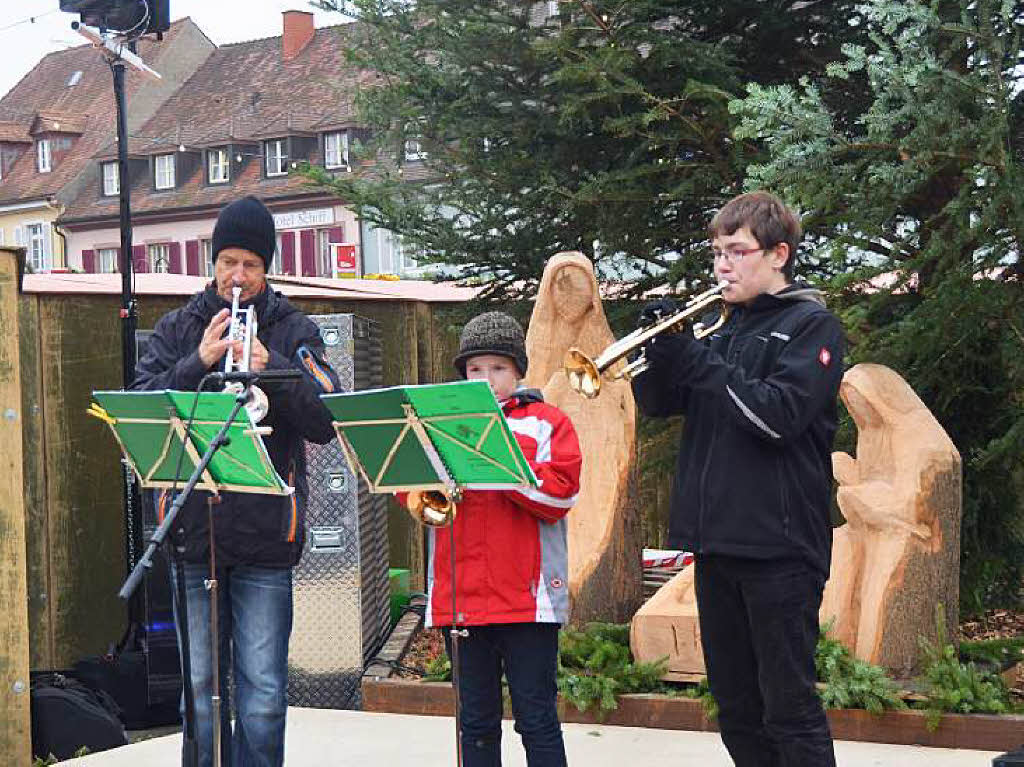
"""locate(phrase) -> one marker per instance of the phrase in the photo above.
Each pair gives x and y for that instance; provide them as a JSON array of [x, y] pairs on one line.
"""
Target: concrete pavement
[[358, 739]]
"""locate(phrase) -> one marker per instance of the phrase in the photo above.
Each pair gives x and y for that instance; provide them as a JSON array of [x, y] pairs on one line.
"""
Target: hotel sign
[[304, 219]]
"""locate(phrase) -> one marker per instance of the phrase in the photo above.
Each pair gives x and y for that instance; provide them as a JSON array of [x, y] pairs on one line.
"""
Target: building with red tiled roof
[[247, 117], [59, 115]]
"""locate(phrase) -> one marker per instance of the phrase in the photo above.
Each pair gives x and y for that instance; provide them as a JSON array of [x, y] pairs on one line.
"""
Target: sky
[[29, 29]]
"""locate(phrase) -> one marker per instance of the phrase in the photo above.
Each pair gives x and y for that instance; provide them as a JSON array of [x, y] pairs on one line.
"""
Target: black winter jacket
[[249, 529], [754, 472]]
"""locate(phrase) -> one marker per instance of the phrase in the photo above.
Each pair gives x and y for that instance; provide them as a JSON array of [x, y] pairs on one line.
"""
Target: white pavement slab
[[356, 738]]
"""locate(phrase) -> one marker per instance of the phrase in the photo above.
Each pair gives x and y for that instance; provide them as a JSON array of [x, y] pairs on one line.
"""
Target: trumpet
[[585, 374], [243, 328], [433, 508]]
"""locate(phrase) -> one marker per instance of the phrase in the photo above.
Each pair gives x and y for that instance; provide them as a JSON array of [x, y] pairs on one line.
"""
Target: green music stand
[[431, 437], [149, 426]]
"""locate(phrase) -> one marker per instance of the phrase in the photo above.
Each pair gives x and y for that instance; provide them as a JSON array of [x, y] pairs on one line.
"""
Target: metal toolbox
[[341, 599]]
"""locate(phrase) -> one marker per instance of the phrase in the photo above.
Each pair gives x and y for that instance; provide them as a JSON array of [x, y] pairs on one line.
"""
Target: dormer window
[[219, 165], [163, 171], [111, 181], [277, 157], [336, 149], [43, 156]]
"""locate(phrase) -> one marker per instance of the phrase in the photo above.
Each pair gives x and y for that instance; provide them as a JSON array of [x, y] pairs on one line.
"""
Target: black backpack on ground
[[67, 715], [122, 676]]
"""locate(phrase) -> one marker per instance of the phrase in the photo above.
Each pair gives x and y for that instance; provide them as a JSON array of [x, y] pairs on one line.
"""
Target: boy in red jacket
[[511, 562]]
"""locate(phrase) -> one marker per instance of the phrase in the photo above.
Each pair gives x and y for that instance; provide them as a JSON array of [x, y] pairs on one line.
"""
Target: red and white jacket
[[511, 555]]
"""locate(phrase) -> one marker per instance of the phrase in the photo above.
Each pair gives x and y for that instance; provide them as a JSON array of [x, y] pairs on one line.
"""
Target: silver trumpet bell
[[243, 328], [585, 374]]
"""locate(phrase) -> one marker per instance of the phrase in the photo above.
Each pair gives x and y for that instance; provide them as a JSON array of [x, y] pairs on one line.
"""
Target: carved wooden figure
[[899, 553], [894, 560], [604, 547]]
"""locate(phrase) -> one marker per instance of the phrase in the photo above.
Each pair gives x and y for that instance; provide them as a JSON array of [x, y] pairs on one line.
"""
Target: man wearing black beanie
[[257, 538], [246, 224]]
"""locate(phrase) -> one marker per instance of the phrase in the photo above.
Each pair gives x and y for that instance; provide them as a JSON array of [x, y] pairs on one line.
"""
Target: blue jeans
[[528, 655], [255, 622], [759, 628]]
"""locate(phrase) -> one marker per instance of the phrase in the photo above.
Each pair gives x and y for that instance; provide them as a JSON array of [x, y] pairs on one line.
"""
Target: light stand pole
[[129, 313], [117, 54], [129, 324]]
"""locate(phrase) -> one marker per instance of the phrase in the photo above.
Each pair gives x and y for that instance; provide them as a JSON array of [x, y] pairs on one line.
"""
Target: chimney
[[298, 31]]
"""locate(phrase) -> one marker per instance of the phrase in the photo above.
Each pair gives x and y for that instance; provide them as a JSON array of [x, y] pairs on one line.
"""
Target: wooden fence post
[[15, 716]]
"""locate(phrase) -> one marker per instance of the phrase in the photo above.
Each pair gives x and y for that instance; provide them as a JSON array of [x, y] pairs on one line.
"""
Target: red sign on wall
[[344, 259]]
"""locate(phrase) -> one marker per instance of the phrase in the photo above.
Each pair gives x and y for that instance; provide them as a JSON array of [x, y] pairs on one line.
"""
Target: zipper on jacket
[[780, 472], [702, 490], [703, 493]]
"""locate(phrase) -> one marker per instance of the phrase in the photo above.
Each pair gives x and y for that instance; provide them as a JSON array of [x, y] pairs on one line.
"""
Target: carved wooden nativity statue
[[604, 549]]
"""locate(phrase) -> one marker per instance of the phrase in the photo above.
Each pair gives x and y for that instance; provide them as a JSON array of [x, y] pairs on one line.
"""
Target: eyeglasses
[[734, 255]]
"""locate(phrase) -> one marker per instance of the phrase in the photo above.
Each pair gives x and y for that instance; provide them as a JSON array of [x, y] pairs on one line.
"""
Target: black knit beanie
[[247, 224], [492, 333]]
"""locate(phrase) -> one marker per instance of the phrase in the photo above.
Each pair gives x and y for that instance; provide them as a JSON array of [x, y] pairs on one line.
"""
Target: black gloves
[[655, 310], [665, 351]]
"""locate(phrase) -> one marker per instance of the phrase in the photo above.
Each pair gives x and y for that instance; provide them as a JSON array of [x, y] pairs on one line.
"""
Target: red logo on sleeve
[[824, 357]]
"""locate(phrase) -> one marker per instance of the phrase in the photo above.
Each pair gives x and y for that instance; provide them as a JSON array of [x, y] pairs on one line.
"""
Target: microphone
[[266, 376]]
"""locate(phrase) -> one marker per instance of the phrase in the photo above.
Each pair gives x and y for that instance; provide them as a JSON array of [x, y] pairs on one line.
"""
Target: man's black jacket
[[754, 473], [250, 529]]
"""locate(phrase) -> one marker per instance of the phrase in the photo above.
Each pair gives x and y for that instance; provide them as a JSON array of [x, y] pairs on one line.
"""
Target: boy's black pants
[[759, 630], [527, 653]]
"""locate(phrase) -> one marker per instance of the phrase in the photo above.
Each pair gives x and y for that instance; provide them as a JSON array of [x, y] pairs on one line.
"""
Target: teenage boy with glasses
[[752, 490]]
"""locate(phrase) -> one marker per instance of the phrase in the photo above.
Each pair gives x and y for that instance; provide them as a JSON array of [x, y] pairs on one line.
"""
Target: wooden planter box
[[980, 732]]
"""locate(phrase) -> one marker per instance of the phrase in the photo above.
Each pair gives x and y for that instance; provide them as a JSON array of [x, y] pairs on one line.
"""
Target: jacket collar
[[797, 291], [522, 396]]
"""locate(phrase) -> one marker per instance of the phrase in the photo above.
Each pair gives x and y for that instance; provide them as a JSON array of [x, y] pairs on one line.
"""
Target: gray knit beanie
[[492, 333]]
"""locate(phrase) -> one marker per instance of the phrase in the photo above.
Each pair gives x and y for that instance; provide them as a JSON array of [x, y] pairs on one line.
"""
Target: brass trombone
[[585, 374]]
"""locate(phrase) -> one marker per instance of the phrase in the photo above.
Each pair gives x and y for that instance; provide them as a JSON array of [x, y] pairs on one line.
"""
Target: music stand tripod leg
[[456, 633]]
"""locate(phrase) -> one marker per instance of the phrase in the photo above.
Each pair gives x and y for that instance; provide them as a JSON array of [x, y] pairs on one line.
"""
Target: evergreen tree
[[603, 129], [924, 186]]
